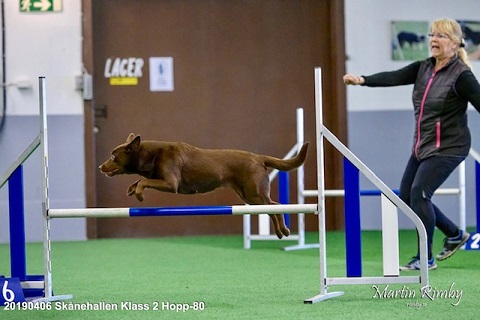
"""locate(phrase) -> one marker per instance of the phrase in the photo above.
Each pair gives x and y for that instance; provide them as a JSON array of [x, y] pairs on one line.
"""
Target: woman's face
[[441, 46]]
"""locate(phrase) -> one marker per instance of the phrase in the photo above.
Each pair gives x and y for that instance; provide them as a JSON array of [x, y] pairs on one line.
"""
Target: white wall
[[44, 44], [49, 45], [368, 44]]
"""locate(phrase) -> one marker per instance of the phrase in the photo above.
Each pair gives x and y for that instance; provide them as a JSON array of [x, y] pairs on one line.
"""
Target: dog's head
[[123, 158]]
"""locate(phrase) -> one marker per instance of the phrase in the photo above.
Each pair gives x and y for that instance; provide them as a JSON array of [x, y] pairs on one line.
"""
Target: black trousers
[[419, 182]]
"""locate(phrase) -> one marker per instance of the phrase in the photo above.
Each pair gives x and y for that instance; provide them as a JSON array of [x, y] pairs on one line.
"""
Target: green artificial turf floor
[[218, 279]]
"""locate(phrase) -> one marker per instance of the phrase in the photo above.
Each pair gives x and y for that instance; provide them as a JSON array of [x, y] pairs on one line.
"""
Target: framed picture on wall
[[409, 40], [471, 34]]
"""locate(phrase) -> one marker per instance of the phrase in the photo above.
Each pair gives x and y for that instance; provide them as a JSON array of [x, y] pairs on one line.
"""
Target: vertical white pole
[[320, 180], [263, 225], [323, 295], [246, 232], [45, 199], [390, 238], [300, 178], [461, 196]]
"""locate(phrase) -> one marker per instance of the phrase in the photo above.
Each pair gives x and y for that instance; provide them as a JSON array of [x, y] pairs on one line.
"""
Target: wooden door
[[241, 68]]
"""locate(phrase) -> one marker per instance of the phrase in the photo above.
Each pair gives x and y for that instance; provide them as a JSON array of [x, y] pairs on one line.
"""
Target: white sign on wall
[[161, 73]]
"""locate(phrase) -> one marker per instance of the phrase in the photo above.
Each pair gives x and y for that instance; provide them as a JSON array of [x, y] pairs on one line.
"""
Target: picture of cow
[[471, 36], [409, 40]]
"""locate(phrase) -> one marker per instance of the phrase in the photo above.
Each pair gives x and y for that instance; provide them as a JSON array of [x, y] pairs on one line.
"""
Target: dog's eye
[[112, 158]]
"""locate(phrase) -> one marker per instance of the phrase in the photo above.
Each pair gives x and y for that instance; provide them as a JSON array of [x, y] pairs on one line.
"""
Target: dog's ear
[[130, 137], [133, 146]]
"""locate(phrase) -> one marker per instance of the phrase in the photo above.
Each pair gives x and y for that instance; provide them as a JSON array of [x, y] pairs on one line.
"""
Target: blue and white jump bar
[[181, 211]]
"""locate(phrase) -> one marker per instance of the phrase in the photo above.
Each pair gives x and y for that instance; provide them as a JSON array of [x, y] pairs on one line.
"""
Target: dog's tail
[[288, 164]]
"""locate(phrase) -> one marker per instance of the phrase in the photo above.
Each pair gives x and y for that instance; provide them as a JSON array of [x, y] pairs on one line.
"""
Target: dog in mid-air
[[178, 167]]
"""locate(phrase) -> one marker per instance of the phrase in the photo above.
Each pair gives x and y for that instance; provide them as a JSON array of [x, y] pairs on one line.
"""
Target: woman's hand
[[352, 79]]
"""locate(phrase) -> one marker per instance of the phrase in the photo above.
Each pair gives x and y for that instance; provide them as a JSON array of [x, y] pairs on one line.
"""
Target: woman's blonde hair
[[454, 31]]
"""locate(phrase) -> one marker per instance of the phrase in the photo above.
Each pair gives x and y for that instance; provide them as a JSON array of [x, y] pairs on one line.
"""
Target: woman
[[443, 86]]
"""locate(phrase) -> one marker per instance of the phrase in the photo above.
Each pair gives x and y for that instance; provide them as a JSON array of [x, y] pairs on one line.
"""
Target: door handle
[[100, 112]]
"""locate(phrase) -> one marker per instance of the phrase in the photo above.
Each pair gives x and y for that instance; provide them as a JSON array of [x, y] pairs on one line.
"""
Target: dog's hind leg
[[278, 220], [259, 194]]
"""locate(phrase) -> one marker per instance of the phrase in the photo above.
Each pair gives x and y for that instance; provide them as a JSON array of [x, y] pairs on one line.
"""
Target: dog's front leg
[[132, 188], [160, 185]]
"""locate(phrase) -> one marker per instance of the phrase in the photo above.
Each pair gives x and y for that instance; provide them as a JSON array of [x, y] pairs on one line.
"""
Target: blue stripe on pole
[[375, 192], [284, 192], [181, 211], [353, 232], [18, 261], [477, 188]]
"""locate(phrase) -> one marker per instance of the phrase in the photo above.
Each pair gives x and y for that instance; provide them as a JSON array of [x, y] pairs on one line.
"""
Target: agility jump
[[180, 211], [321, 132], [352, 204]]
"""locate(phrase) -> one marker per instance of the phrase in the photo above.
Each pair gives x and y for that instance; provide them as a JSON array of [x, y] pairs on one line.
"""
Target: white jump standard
[[323, 132]]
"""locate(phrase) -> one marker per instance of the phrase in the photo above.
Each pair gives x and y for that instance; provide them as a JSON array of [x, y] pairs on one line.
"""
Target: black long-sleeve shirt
[[466, 86]]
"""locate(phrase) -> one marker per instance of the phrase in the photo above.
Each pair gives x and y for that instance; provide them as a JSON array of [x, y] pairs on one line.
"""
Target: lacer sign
[[123, 71]]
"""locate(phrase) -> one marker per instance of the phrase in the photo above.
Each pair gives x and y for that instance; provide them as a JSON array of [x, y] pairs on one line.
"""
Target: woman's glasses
[[438, 35]]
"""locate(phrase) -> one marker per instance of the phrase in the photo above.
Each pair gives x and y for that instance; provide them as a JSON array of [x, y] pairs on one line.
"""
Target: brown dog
[[178, 167]]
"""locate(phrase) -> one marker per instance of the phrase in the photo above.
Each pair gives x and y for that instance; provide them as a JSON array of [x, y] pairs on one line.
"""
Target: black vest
[[440, 114]]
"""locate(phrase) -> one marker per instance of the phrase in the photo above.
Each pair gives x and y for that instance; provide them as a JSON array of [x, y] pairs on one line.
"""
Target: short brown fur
[[178, 167]]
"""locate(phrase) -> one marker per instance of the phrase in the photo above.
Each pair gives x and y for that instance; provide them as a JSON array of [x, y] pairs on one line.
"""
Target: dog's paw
[[139, 196], [131, 190], [286, 231], [282, 231], [279, 233], [133, 187]]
